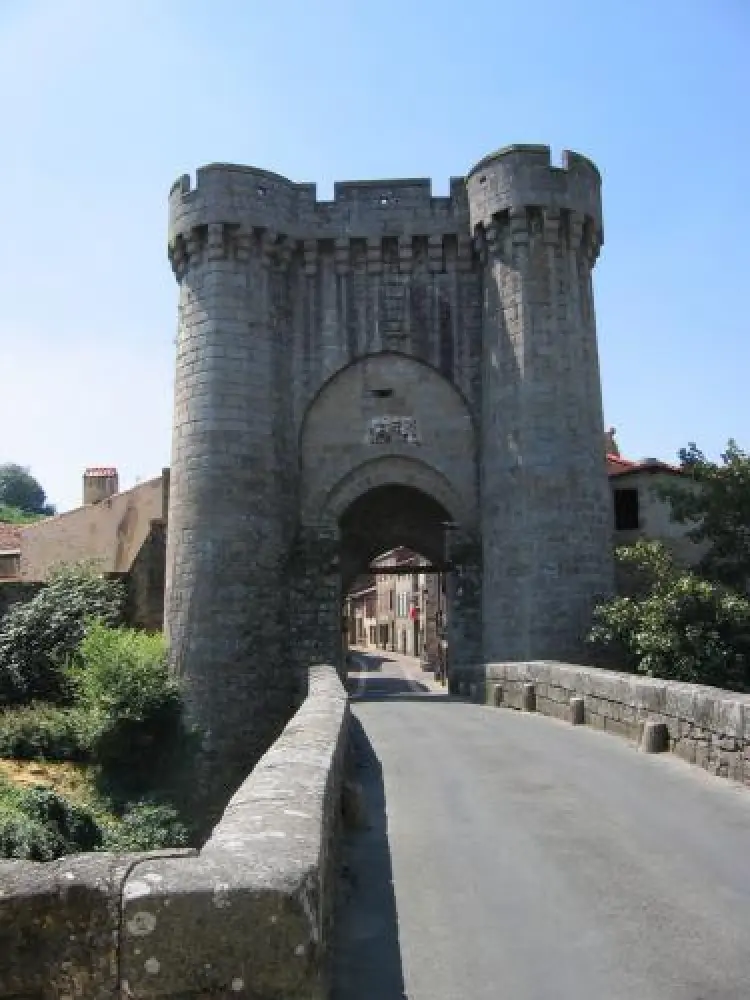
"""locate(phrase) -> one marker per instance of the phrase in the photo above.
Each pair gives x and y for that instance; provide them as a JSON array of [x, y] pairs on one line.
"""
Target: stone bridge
[[352, 375], [490, 852]]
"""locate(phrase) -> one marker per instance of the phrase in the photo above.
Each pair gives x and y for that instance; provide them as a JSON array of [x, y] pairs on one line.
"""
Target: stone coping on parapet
[[247, 915], [706, 726]]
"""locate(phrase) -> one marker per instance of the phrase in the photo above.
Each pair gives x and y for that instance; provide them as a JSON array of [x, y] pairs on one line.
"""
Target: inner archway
[[402, 589], [388, 517]]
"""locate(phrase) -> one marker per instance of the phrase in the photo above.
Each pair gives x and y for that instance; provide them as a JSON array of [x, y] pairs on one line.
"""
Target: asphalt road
[[514, 856]]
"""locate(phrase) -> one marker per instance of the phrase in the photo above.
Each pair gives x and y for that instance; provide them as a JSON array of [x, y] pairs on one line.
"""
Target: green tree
[[14, 515], [671, 623], [714, 498], [18, 488], [38, 638]]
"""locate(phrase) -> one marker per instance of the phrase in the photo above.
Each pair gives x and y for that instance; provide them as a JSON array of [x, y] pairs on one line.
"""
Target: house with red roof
[[638, 511]]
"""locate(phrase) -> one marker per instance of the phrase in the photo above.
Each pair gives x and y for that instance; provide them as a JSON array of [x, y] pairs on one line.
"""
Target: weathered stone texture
[[60, 925], [546, 508], [301, 320], [248, 916], [706, 726]]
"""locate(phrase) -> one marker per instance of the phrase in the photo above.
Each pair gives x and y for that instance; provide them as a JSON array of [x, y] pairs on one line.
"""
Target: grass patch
[[75, 816]]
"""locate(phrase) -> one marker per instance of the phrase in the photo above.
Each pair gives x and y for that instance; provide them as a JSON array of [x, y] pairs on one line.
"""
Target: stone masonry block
[[528, 697], [250, 914], [655, 737], [577, 711]]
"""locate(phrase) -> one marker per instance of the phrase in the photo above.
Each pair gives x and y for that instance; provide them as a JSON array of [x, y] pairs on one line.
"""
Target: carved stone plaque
[[393, 430]]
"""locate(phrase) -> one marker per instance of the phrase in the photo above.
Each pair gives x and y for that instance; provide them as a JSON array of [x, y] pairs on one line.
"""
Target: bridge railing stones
[[59, 924], [247, 915], [706, 726]]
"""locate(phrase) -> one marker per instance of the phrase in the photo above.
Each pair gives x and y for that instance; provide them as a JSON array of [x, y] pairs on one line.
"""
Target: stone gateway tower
[[386, 368]]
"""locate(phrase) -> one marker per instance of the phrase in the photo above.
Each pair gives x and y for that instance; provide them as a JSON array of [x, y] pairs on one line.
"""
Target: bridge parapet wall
[[707, 726], [247, 915]]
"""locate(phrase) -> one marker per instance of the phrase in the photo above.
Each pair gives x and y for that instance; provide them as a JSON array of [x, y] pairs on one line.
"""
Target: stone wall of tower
[[279, 291], [383, 266], [230, 510], [545, 504]]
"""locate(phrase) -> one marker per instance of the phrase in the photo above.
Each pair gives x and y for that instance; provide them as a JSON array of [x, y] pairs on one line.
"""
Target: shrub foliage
[[39, 825], [42, 731], [671, 623], [38, 638], [147, 825], [80, 687], [129, 706], [713, 500]]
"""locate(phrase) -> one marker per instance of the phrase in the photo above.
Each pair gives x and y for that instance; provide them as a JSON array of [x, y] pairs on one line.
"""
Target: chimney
[[98, 484]]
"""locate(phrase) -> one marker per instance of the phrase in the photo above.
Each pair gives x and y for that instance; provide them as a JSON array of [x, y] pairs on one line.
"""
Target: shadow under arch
[[391, 470], [386, 517]]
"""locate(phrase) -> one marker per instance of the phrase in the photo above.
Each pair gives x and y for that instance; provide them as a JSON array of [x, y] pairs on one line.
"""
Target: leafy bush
[[129, 703], [713, 500], [38, 638], [678, 626], [14, 515], [147, 825], [644, 568], [42, 731], [40, 825]]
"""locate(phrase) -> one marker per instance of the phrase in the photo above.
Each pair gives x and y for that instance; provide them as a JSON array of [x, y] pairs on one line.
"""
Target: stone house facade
[[639, 512], [361, 614], [402, 611], [122, 534], [401, 601]]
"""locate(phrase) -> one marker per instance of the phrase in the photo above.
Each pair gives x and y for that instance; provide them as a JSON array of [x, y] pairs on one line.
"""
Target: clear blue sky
[[103, 104]]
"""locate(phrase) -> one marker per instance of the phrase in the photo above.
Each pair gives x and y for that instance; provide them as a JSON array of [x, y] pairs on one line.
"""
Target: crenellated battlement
[[260, 209], [516, 186], [251, 199]]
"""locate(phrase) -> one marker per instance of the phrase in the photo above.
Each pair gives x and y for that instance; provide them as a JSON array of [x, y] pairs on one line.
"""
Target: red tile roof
[[617, 466]]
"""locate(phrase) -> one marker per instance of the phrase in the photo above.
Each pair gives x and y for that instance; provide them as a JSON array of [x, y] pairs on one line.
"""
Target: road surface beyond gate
[[514, 856]]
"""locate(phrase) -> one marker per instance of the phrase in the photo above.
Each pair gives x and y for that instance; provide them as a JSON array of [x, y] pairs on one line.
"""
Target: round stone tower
[[545, 502], [229, 503]]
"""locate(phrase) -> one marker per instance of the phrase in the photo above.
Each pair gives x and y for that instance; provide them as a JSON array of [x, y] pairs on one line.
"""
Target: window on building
[[10, 564], [390, 600], [627, 516]]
